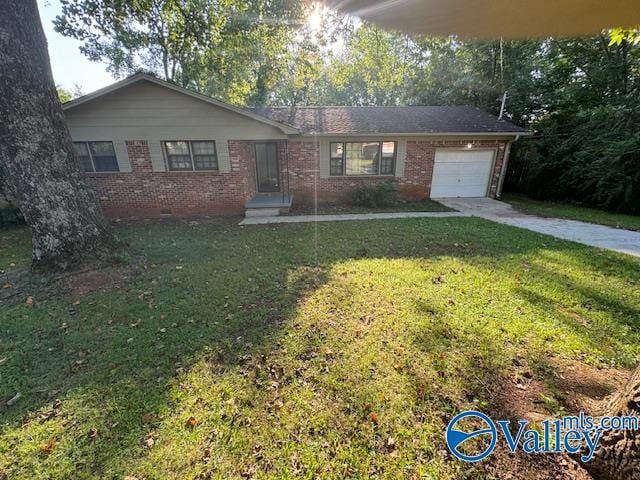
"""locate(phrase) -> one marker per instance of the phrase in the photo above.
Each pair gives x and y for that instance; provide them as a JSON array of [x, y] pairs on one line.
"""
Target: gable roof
[[392, 120], [138, 77], [414, 120]]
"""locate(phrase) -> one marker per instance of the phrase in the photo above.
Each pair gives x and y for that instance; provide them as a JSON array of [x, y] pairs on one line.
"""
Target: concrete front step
[[262, 212], [269, 201]]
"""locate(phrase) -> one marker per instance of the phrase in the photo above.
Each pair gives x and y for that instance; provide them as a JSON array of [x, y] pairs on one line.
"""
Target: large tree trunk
[[618, 454], [37, 161]]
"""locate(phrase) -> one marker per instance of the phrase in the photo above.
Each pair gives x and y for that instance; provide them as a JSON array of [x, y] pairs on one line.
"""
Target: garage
[[461, 173]]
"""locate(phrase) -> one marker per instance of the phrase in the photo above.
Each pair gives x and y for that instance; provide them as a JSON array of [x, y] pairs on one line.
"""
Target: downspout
[[503, 169]]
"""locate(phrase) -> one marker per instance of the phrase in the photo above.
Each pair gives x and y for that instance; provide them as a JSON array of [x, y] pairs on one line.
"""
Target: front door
[[267, 171]]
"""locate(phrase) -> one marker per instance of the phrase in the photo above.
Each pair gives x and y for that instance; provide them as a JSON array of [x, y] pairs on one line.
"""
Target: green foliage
[[381, 195], [64, 95], [618, 35], [589, 150], [232, 49]]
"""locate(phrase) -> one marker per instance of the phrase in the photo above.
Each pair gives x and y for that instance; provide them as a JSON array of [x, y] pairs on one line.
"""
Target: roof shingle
[[365, 120]]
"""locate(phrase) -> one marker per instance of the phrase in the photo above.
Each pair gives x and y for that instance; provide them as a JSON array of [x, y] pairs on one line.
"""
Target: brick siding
[[306, 184], [145, 193]]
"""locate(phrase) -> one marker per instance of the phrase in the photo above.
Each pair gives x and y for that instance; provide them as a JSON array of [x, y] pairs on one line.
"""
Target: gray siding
[[146, 111]]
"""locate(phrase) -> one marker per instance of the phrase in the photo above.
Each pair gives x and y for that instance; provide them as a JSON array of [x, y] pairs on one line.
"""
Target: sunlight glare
[[314, 18]]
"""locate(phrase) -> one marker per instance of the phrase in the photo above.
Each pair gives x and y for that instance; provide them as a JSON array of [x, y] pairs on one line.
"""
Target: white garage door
[[460, 173]]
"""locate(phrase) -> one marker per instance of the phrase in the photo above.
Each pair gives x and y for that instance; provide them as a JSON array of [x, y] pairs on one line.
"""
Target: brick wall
[[306, 184], [145, 193]]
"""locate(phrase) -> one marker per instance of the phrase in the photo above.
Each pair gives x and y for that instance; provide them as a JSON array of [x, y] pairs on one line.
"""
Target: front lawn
[[336, 350], [571, 211]]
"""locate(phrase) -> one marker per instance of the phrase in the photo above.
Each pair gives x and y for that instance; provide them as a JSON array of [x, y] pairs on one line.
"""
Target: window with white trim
[[96, 156], [190, 155], [362, 158]]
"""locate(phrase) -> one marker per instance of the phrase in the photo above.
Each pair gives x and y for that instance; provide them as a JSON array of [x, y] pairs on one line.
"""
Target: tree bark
[[617, 456], [37, 161]]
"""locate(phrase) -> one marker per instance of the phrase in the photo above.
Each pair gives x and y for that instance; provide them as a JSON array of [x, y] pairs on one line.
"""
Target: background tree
[[589, 120], [231, 49], [372, 70], [37, 163]]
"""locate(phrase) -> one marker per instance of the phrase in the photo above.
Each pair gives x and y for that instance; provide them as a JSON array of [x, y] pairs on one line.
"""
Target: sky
[[70, 67]]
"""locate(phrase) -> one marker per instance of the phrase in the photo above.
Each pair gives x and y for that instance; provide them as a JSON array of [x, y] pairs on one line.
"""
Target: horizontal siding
[[145, 111]]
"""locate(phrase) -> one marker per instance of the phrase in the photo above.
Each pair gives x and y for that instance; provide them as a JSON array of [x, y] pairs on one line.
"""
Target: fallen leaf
[[6, 285], [29, 302], [48, 447], [373, 417], [149, 442], [192, 422], [93, 433]]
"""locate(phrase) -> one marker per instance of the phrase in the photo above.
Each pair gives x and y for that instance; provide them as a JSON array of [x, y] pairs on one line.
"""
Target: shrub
[[380, 195]]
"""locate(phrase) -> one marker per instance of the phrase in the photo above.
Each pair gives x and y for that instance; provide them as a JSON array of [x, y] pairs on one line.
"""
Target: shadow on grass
[[225, 295]]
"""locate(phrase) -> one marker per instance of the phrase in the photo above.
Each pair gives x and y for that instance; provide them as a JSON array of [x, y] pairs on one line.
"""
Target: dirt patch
[[89, 281], [19, 285], [562, 388]]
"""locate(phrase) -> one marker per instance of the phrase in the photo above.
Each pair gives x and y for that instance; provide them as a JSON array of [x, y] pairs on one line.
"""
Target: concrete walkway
[[623, 241], [347, 216]]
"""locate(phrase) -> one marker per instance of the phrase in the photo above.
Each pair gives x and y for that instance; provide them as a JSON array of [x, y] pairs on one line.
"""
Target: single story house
[[152, 148]]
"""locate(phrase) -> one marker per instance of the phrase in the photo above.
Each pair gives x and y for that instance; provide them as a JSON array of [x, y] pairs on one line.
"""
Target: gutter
[[419, 134]]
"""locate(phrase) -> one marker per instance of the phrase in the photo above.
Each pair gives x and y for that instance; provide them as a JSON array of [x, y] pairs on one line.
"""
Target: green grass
[[548, 208], [15, 247], [281, 342], [425, 205]]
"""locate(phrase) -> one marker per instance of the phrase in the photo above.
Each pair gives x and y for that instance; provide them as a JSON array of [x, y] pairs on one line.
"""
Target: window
[[178, 155], [387, 165], [204, 155], [185, 155], [336, 160], [362, 158], [96, 156]]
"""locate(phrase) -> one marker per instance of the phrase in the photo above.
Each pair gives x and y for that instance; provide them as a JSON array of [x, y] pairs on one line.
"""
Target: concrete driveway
[[623, 241]]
